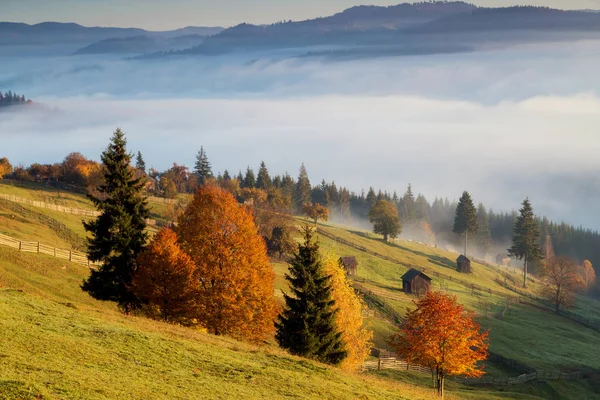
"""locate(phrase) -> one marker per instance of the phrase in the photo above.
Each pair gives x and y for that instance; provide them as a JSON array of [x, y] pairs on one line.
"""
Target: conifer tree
[[303, 189], [465, 220], [202, 168], [118, 235], [307, 325], [139, 162], [263, 180], [226, 176], [409, 208], [249, 180], [526, 239], [484, 233]]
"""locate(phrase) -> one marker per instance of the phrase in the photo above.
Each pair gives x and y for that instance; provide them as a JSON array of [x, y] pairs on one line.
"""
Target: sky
[[172, 14]]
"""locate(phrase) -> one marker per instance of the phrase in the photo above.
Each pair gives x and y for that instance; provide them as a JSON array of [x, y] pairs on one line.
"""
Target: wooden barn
[[415, 282], [503, 259], [463, 265], [350, 265]]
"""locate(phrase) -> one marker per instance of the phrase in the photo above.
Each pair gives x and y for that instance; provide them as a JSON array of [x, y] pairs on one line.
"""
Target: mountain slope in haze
[[408, 26], [141, 44], [54, 32]]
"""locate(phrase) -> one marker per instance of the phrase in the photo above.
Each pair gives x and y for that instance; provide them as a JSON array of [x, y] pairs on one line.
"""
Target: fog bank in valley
[[503, 124]]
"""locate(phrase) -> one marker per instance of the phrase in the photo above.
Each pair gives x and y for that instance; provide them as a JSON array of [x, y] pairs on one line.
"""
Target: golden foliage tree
[[236, 292], [5, 167], [349, 320], [315, 212], [562, 280], [166, 280], [441, 335], [587, 273]]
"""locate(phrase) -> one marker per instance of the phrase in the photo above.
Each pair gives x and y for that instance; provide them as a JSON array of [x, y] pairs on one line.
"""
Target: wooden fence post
[[55, 252], [70, 255], [379, 364], [38, 248], [20, 245]]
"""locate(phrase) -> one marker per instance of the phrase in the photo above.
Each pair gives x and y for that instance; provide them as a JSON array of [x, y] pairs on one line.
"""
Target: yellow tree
[[5, 167], [587, 273], [441, 335], [315, 212], [236, 280], [562, 280], [349, 320], [166, 281]]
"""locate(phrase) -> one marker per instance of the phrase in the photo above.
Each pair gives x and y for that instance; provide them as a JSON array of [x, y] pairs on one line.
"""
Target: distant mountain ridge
[[402, 25], [54, 32]]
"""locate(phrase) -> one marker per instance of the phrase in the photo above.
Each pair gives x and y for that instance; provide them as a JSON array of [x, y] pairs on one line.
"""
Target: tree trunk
[[466, 242], [440, 384], [385, 237], [525, 274]]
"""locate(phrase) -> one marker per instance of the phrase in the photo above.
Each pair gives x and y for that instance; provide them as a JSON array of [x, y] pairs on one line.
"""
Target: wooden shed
[[415, 282], [350, 265], [503, 259], [463, 264]]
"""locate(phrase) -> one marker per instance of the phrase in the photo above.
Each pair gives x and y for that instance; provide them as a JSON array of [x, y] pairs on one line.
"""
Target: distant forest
[[422, 220], [12, 99]]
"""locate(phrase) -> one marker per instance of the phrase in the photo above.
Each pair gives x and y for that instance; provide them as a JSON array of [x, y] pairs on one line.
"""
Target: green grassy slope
[[57, 343]]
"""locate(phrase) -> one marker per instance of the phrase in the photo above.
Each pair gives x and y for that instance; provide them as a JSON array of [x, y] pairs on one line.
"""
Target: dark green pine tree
[[484, 233], [202, 168], [303, 189], [526, 239], [139, 162], [307, 326], [249, 180], [465, 220], [263, 180], [118, 234]]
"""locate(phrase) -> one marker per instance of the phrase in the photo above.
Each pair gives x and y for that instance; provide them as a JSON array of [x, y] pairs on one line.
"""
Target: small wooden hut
[[350, 265], [463, 265], [415, 282], [503, 259]]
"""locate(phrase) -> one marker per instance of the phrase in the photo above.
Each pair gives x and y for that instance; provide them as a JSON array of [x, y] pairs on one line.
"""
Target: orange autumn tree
[[348, 319], [236, 280], [165, 280], [441, 335], [562, 281], [588, 275]]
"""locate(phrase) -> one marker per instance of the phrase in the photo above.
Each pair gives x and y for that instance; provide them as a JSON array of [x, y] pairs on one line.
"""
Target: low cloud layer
[[503, 124]]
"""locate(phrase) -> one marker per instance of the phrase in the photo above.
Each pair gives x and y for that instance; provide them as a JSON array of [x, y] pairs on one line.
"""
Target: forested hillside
[[12, 99]]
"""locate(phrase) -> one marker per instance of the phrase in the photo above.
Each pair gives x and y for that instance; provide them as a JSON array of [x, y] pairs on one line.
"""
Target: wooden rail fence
[[40, 248], [70, 210], [50, 206]]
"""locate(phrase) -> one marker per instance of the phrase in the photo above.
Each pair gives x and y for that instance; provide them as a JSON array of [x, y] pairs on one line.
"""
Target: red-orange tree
[[165, 280], [236, 280], [441, 335], [562, 281]]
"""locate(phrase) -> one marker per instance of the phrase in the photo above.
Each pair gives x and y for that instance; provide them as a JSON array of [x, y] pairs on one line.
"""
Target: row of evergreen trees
[[12, 99]]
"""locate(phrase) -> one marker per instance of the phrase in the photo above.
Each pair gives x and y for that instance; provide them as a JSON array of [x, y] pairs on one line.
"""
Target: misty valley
[[386, 201]]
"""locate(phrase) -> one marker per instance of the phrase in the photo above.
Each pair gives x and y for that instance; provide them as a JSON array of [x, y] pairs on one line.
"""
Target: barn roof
[[462, 258], [412, 274], [349, 262]]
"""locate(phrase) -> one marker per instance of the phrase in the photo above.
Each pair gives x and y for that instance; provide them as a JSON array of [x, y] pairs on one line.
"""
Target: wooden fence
[[37, 247], [70, 210], [50, 206], [393, 363]]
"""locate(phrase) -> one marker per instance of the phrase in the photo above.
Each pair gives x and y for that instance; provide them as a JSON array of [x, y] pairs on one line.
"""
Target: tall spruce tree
[[139, 162], [249, 180], [118, 235], [263, 180], [307, 325], [202, 169], [484, 233], [465, 220], [526, 239], [303, 189]]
